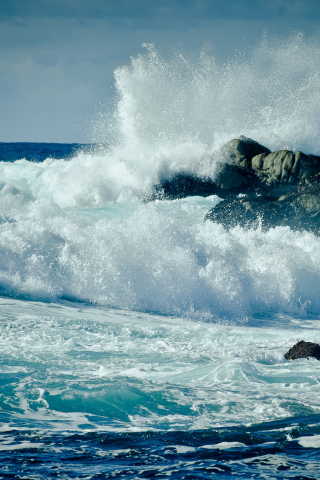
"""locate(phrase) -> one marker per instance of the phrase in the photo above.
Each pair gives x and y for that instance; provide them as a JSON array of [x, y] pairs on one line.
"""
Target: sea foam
[[79, 229], [157, 257]]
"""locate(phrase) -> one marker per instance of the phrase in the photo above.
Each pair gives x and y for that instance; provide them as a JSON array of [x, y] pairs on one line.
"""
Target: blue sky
[[58, 56]]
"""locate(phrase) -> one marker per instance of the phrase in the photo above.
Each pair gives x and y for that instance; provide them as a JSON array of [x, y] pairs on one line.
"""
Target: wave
[[172, 115], [77, 229], [157, 257]]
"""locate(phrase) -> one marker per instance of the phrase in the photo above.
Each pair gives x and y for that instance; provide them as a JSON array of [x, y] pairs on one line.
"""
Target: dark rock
[[300, 210], [273, 168], [305, 166], [246, 212], [281, 188], [230, 180], [241, 150], [230, 176], [305, 202], [249, 168], [303, 349], [182, 186], [284, 167]]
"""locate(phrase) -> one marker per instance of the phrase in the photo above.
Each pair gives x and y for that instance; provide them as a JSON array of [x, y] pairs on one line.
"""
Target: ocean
[[136, 339]]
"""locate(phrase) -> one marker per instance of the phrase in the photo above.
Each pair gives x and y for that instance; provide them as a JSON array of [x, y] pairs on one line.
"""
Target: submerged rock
[[303, 349]]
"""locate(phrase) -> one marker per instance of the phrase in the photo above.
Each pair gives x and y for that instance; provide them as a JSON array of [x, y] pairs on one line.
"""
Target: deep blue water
[[268, 454], [37, 152]]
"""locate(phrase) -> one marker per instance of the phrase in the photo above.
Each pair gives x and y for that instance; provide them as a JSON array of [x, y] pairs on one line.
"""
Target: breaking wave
[[78, 228]]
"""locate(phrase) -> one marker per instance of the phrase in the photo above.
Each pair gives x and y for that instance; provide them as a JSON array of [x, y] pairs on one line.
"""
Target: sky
[[57, 57]]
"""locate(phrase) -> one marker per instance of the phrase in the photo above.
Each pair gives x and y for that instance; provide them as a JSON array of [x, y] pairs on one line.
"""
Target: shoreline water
[[89, 391]]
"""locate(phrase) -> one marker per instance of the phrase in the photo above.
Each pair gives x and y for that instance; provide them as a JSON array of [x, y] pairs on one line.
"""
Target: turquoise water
[[89, 392]]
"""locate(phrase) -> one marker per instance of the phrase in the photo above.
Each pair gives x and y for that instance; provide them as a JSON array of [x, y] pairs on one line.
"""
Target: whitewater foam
[[78, 229], [157, 257]]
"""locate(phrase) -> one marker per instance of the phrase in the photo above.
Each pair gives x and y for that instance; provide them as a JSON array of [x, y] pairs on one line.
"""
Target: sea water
[[137, 340]]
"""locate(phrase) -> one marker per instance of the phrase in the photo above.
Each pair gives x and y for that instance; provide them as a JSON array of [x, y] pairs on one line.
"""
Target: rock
[[305, 166], [247, 212], [284, 167], [273, 168], [303, 349], [300, 210], [248, 168], [241, 150], [305, 201], [229, 179], [182, 186], [230, 176]]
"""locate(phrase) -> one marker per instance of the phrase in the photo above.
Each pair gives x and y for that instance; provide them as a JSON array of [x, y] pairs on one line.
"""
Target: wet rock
[[240, 151], [276, 189], [249, 167], [284, 167], [300, 210], [273, 168], [305, 202], [229, 180], [247, 212], [303, 349], [230, 176], [182, 186], [305, 166]]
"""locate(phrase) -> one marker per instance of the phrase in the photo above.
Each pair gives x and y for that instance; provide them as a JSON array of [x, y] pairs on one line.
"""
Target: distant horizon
[[59, 143]]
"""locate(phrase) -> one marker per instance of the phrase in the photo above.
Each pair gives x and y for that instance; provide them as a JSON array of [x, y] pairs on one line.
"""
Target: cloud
[[160, 11]]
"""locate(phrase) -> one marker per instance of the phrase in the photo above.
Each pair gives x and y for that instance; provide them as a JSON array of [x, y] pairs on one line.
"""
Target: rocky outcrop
[[233, 174], [284, 167], [182, 186], [276, 189], [303, 349], [270, 168], [244, 165], [299, 209], [240, 151], [259, 187]]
